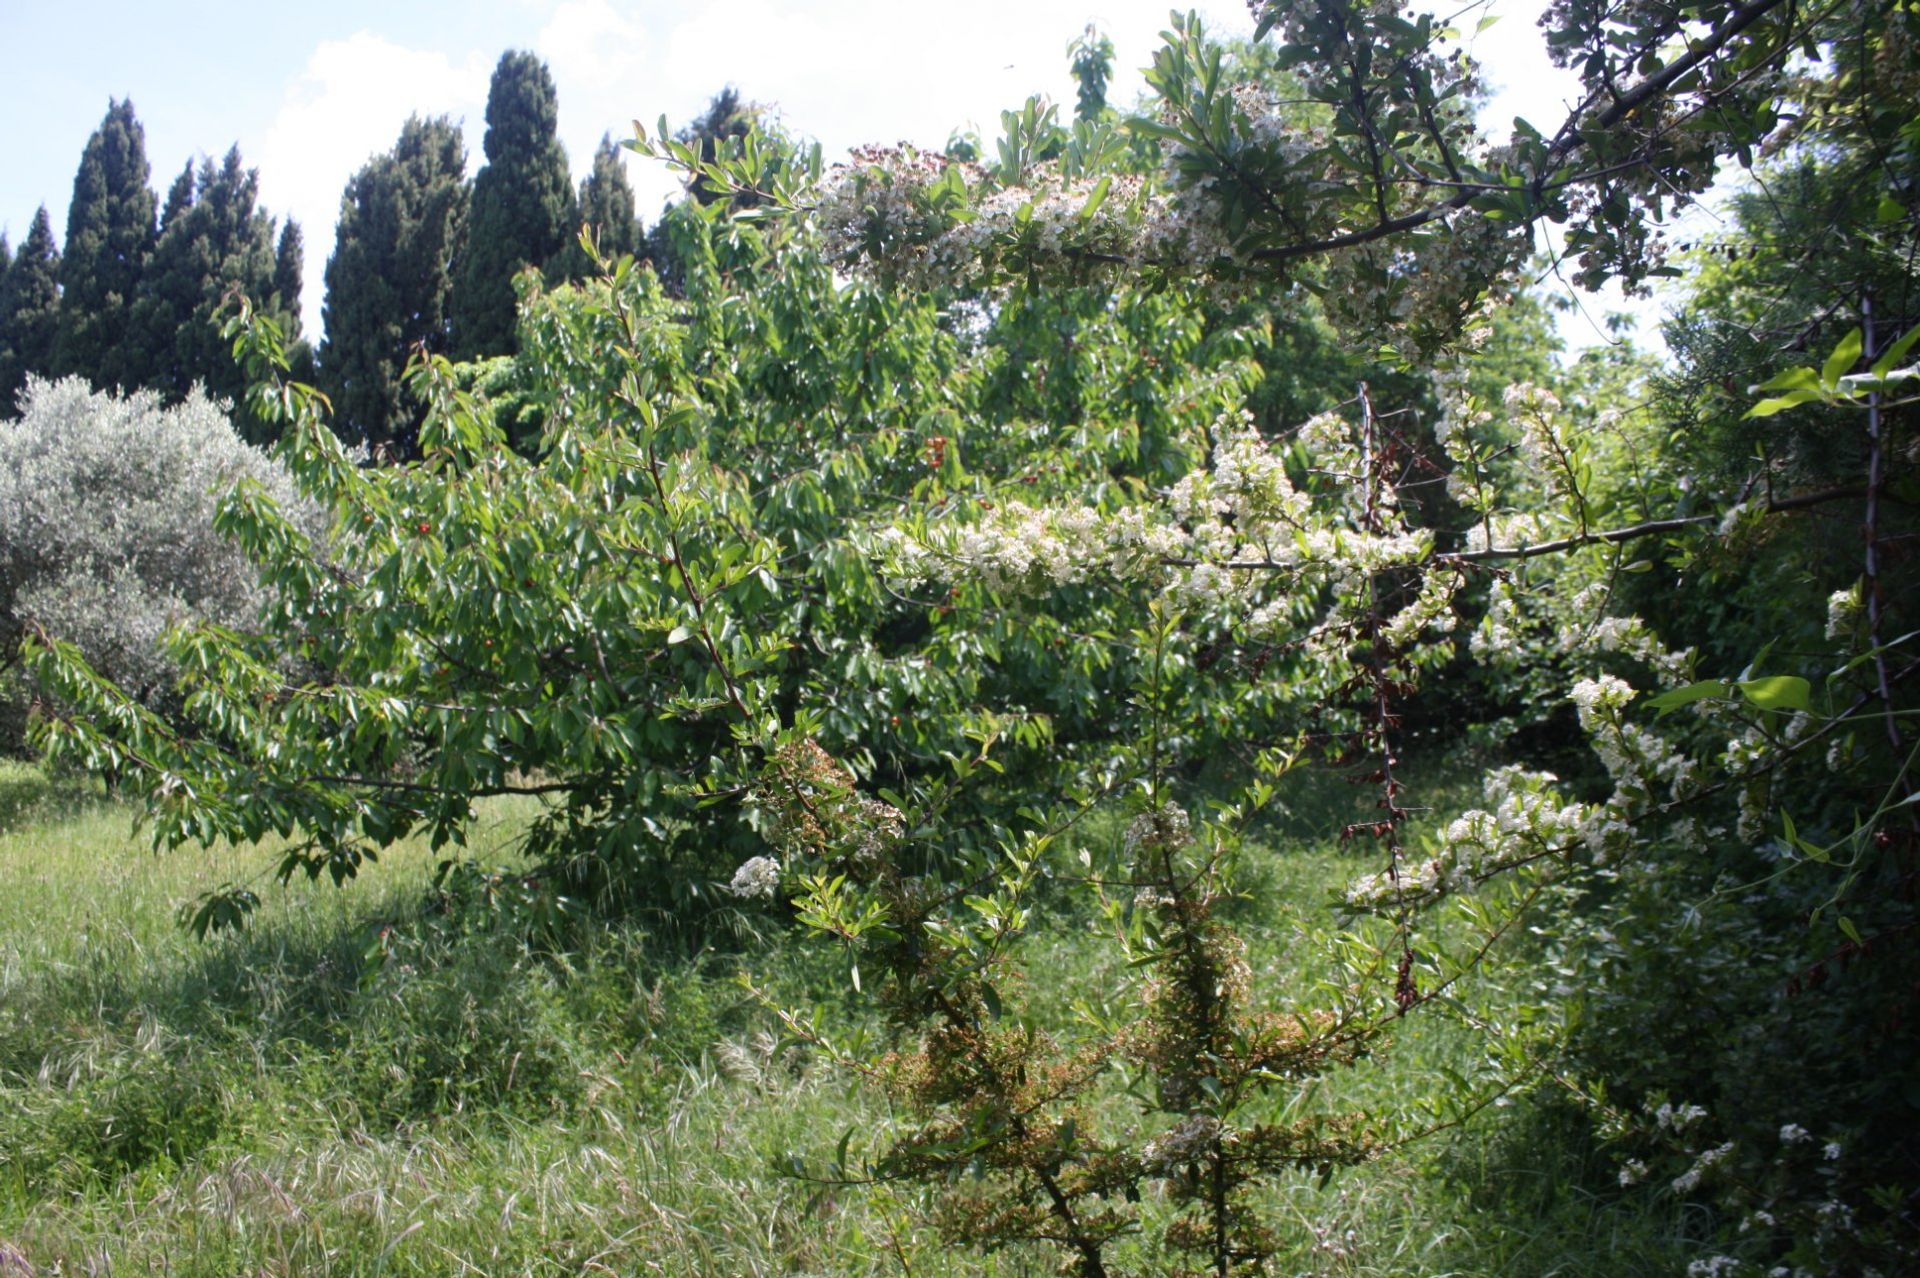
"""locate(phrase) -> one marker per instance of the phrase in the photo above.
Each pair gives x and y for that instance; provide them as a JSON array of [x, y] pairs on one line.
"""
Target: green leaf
[[679, 634], [1095, 200], [1891, 357], [1844, 357], [1780, 404], [1852, 932], [1792, 379], [1778, 692], [1672, 699]]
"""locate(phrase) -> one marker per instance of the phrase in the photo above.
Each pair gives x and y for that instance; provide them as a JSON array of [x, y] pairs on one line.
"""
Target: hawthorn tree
[[761, 620]]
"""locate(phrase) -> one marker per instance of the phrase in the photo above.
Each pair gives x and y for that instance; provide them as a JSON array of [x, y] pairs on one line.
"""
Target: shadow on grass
[[360, 1025], [28, 794]]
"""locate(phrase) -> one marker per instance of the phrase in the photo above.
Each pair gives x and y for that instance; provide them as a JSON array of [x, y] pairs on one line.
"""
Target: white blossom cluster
[[757, 877], [1630, 637], [1430, 612], [1525, 818], [1511, 529], [1164, 827], [1403, 884], [1843, 610], [1677, 1118], [1689, 1180], [1245, 499], [1497, 638], [1636, 758], [1028, 549], [922, 220], [1232, 534]]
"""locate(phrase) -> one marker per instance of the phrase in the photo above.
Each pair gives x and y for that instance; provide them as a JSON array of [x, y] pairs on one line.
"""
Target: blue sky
[[310, 92]]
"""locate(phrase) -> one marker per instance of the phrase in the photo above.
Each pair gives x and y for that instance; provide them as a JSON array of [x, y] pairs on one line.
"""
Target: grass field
[[281, 1103]]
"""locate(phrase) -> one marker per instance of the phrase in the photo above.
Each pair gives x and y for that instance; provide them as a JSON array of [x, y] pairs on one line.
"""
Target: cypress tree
[[606, 207], [29, 310], [289, 269], [179, 200], [110, 234], [522, 204], [728, 116], [214, 242], [389, 280], [6, 265]]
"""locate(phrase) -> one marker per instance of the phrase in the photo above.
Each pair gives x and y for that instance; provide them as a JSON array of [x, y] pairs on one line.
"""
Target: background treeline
[[424, 257]]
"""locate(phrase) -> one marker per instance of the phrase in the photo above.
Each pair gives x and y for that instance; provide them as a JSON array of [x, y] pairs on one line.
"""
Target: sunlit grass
[[358, 1085]]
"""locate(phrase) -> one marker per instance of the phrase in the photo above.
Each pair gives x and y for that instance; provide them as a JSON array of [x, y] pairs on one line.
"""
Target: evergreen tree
[[214, 242], [29, 310], [606, 206], [522, 204], [179, 199], [727, 116], [110, 234], [402, 221], [1091, 60], [289, 271], [6, 259]]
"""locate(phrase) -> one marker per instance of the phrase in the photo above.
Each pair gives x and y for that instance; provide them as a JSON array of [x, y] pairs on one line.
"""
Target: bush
[[106, 531]]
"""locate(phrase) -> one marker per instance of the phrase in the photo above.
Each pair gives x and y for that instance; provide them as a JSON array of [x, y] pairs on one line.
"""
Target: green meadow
[[378, 1079]]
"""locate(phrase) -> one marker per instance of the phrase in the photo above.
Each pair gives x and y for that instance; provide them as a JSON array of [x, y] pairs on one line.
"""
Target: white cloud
[[591, 48], [347, 105]]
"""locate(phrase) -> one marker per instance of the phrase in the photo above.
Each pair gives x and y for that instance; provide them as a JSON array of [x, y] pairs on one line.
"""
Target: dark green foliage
[[29, 307], [606, 208], [727, 117], [522, 205], [214, 242], [289, 267], [110, 234], [402, 221], [1092, 65]]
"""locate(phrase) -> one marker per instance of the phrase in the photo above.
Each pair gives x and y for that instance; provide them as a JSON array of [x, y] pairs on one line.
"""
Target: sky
[[310, 93]]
